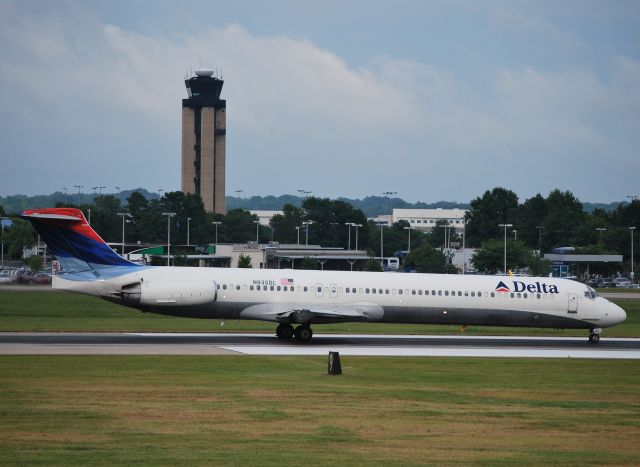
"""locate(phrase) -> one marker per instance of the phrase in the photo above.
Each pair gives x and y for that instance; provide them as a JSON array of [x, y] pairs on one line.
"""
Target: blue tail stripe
[[69, 246]]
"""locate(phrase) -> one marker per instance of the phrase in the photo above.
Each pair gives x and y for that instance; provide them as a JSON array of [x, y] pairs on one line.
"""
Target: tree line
[[540, 224]]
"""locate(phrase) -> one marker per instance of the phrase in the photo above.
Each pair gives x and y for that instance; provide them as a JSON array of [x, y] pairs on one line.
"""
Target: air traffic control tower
[[204, 126]]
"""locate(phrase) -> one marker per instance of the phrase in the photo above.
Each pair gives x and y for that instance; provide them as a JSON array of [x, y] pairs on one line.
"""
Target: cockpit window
[[590, 293]]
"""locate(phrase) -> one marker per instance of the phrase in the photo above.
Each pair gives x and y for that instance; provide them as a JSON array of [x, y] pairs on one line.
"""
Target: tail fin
[[74, 243]]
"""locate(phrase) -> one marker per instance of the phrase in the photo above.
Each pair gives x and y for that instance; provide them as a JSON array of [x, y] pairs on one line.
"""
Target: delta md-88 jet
[[298, 299]]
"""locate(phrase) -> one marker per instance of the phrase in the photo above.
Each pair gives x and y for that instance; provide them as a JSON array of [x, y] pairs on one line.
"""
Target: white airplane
[[297, 297]]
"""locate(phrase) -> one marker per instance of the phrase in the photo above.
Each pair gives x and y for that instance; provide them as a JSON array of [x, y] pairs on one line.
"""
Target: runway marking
[[435, 352]]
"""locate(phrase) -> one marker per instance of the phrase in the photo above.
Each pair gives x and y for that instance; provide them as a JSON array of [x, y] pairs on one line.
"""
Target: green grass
[[56, 311], [98, 410]]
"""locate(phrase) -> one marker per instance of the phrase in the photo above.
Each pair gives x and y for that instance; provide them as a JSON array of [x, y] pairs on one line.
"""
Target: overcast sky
[[435, 100]]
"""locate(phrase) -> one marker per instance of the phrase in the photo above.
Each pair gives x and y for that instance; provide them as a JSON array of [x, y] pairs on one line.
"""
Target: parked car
[[41, 278], [606, 283], [622, 282], [5, 277]]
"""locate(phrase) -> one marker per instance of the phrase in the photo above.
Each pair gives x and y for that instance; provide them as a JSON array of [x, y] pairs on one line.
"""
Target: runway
[[66, 343]]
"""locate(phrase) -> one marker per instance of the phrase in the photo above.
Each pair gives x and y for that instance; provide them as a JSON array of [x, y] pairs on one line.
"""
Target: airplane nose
[[618, 315]]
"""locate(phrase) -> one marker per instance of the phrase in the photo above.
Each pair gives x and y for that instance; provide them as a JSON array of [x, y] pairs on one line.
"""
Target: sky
[[433, 100]]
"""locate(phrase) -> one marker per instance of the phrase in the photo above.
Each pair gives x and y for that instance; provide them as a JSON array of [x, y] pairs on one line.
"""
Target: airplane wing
[[317, 313]]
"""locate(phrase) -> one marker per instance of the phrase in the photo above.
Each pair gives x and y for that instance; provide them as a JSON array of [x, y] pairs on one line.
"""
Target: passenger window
[[272, 288], [367, 289], [380, 291], [524, 295], [512, 295], [360, 290], [237, 287], [399, 291], [433, 292], [319, 290], [446, 293], [419, 292], [518, 295], [250, 287], [278, 289], [493, 294], [257, 287], [473, 294], [439, 292], [224, 287], [386, 291], [539, 296], [347, 290], [413, 292], [306, 289]]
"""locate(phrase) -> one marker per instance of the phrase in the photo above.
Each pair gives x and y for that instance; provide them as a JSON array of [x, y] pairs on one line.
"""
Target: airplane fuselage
[[384, 297]]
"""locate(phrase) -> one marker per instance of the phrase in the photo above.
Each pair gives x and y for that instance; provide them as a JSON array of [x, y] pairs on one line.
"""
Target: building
[[426, 219], [204, 140], [265, 216]]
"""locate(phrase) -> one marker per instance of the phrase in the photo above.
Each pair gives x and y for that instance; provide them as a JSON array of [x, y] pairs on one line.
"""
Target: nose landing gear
[[302, 333], [594, 337]]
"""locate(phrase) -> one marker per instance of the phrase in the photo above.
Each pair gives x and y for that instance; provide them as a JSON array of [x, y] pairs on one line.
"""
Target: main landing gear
[[302, 333], [594, 337]]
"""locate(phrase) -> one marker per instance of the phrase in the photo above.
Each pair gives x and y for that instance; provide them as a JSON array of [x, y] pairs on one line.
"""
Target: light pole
[[464, 251], [600, 229], [505, 245], [298, 231], [238, 193], [89, 209], [349, 224], [2, 238], [188, 225], [388, 195], [304, 193], [169, 216], [381, 246], [357, 226], [78, 187], [515, 236], [631, 229], [257, 223], [540, 228], [409, 239], [307, 224], [446, 242], [216, 223], [123, 214]]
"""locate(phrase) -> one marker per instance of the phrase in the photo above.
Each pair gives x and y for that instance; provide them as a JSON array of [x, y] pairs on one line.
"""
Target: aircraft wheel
[[284, 331], [594, 338], [303, 333]]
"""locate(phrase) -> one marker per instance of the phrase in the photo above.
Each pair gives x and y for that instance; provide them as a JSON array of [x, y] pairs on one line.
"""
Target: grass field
[[229, 410], [48, 311]]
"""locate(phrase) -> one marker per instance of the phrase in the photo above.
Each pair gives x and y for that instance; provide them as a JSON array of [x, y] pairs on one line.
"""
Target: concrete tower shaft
[[204, 128]]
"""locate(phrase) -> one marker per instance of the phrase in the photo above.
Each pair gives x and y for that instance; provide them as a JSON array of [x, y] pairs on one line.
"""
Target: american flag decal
[[286, 281]]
